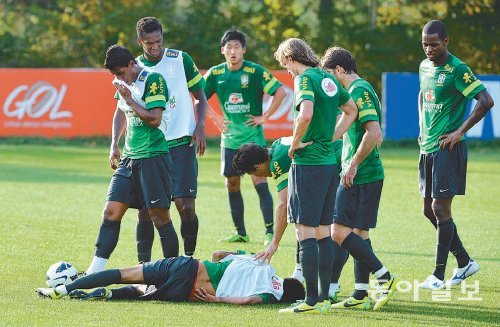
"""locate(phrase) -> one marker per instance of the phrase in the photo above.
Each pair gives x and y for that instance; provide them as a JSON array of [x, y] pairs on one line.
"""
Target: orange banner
[[79, 102]]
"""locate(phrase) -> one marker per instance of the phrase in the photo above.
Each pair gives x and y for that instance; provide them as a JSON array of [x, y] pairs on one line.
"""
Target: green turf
[[50, 206]]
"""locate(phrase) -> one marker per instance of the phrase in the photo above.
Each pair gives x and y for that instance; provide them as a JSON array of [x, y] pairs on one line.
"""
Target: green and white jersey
[[327, 95], [368, 105], [280, 161], [182, 76], [142, 141], [445, 91], [240, 94]]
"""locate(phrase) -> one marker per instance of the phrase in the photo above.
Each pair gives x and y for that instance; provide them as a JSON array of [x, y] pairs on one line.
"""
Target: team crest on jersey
[[429, 95], [172, 54], [142, 76], [328, 85], [236, 98], [244, 80], [441, 78]]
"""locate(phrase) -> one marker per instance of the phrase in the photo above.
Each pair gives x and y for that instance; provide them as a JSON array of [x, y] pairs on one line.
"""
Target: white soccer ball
[[60, 273]]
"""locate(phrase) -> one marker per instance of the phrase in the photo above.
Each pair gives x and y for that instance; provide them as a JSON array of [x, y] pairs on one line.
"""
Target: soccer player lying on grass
[[228, 278]]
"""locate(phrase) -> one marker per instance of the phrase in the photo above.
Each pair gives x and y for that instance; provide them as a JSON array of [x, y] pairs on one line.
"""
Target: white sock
[[333, 287], [110, 295], [361, 287], [62, 289], [298, 266], [98, 264], [379, 273]]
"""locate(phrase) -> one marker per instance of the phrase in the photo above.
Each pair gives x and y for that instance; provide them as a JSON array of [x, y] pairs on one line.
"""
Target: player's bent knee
[[114, 211]]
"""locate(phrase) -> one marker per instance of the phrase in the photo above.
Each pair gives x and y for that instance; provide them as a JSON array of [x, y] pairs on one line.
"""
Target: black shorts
[[357, 206], [226, 162], [173, 279], [142, 182], [442, 174], [184, 172], [311, 194]]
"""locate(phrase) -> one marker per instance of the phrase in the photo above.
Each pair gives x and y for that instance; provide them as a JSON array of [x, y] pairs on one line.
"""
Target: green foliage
[[383, 35]]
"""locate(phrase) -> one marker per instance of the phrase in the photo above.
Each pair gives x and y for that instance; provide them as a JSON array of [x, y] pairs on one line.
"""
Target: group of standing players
[[332, 199]]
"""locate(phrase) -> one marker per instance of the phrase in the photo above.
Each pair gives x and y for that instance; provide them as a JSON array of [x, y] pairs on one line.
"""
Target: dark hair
[[293, 290], [117, 56], [338, 56], [248, 156], [435, 26], [233, 34], [147, 25]]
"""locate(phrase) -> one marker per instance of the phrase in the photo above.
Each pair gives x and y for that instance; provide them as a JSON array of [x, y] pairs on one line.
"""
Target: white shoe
[[297, 274], [459, 274], [432, 283]]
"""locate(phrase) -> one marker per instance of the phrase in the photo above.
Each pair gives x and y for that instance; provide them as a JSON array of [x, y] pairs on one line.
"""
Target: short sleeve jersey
[[445, 91], [328, 95], [368, 105], [240, 94], [143, 141], [280, 161]]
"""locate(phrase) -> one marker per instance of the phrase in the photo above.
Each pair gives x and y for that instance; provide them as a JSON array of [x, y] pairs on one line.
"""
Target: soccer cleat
[[49, 293], [431, 283], [460, 274], [297, 274], [268, 239], [333, 294], [97, 294], [302, 307], [236, 238], [352, 303], [387, 290]]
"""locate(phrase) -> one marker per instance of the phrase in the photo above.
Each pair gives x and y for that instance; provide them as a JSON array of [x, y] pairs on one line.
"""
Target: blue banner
[[400, 107]]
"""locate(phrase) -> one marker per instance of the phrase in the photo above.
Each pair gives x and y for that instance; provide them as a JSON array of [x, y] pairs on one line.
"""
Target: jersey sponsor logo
[[36, 101], [275, 282], [267, 76], [244, 80], [448, 68], [278, 170], [172, 54], [441, 79], [429, 95], [236, 98], [329, 87], [218, 71], [468, 78], [249, 70], [360, 103]]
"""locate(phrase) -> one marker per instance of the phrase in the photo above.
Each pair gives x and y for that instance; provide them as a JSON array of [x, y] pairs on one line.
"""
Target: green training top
[[240, 94], [143, 141], [280, 161], [445, 91], [368, 105], [327, 95]]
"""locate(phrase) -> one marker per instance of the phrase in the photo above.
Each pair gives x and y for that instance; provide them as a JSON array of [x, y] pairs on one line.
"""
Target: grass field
[[51, 200]]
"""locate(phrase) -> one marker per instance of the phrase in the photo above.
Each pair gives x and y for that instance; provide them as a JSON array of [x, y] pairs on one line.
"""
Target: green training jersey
[[143, 141], [240, 94], [328, 95], [280, 161], [445, 91], [368, 105]]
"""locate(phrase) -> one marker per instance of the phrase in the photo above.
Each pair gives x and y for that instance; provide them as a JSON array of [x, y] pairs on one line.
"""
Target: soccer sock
[[169, 240], [456, 247], [360, 251], [97, 264], [340, 257], [107, 238], [362, 275], [309, 260], [128, 292], [237, 211], [444, 237], [266, 205], [189, 232], [458, 250], [325, 252], [144, 236], [102, 278], [360, 294]]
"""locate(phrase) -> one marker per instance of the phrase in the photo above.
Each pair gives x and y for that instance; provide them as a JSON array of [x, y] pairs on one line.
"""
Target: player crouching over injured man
[[228, 278]]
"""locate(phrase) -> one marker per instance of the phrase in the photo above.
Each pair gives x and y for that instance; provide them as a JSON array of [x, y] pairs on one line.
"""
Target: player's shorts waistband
[[180, 141]]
